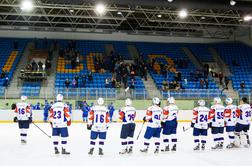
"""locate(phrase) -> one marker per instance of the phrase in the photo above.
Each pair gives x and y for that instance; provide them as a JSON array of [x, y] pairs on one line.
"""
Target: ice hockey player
[[217, 123], [85, 109], [169, 125], [60, 120], [46, 110], [154, 116], [127, 114], [230, 120], [243, 122], [200, 123], [98, 123], [23, 116]]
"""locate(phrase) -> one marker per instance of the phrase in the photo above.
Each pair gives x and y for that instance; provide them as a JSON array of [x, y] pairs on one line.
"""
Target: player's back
[[171, 112], [23, 111], [244, 114], [154, 116], [230, 115], [59, 115], [99, 117], [127, 114], [201, 117], [217, 113]]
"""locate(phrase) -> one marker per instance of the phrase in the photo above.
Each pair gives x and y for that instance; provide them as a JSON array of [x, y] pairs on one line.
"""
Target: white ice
[[39, 150]]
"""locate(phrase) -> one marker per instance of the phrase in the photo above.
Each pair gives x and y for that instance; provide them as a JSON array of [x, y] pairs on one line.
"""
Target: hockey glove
[[162, 124], [30, 119], [15, 120], [144, 119], [69, 123], [192, 124], [89, 127]]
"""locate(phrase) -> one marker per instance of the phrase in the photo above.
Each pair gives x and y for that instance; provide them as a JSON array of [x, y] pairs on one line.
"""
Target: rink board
[[6, 116]]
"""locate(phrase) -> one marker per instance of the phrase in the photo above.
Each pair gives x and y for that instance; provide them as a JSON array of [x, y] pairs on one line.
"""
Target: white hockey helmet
[[23, 98], [229, 100], [201, 102], [100, 101], [171, 100], [217, 100], [128, 102], [156, 100], [59, 97]]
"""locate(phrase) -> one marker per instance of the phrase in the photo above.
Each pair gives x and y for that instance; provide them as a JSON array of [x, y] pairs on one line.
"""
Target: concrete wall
[[102, 36], [7, 115]]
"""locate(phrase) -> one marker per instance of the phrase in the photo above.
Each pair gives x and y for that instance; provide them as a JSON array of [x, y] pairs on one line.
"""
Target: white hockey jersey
[[23, 111], [201, 117], [99, 118], [230, 115], [154, 116], [217, 115], [170, 112], [59, 115], [127, 114], [244, 114]]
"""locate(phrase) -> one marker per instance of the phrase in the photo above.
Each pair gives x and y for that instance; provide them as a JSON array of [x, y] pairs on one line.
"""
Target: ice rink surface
[[39, 150]]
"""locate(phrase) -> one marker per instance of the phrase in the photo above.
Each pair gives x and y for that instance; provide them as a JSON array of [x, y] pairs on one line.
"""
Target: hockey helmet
[[100, 101], [171, 100], [201, 102], [59, 97], [217, 100], [128, 102], [156, 100], [229, 100], [23, 98]]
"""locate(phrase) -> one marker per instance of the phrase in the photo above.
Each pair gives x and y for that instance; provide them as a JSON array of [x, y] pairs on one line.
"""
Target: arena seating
[[168, 53], [238, 57], [31, 89], [88, 50], [201, 52]]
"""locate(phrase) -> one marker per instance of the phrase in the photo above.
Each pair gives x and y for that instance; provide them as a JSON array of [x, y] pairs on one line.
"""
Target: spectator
[[76, 77], [40, 66], [242, 85], [165, 86], [132, 84], [113, 82], [220, 77], [107, 82], [226, 80], [74, 83], [6, 81], [34, 66], [67, 83], [85, 110], [206, 83], [90, 76], [46, 110], [83, 80], [3, 74], [201, 83]]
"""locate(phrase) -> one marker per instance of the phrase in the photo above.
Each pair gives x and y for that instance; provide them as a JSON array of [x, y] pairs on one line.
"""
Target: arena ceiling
[[206, 18]]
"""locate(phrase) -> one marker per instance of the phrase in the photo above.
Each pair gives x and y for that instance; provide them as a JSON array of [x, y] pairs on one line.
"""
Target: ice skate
[[215, 147], [56, 151], [166, 149], [91, 151], [197, 147], [174, 148], [156, 150], [203, 147], [144, 150], [124, 151], [220, 146], [100, 151], [230, 146], [130, 150], [23, 141], [65, 152]]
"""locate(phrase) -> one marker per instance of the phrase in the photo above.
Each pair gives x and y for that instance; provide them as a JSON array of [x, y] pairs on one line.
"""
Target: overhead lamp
[[27, 5], [119, 13], [159, 15], [100, 9], [232, 2], [183, 13], [170, 0], [247, 18]]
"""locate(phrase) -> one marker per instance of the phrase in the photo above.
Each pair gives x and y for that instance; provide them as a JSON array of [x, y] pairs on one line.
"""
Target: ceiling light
[[100, 9], [169, 0], [27, 5], [119, 13], [71, 10], [247, 18], [232, 2], [183, 13], [159, 15], [203, 18]]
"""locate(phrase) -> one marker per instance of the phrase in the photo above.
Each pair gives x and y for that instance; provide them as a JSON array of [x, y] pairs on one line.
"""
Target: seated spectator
[[6, 81], [226, 80], [107, 82], [206, 83], [74, 85], [242, 85], [113, 82], [67, 83], [165, 86], [201, 83], [132, 84], [90, 76]]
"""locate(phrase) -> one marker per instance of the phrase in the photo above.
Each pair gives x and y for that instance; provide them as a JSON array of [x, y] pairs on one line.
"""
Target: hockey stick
[[41, 130], [140, 130], [185, 129]]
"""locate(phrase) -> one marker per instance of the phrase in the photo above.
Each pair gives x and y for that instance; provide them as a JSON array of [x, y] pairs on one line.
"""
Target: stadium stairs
[[15, 86], [193, 59], [47, 88]]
